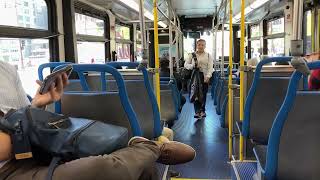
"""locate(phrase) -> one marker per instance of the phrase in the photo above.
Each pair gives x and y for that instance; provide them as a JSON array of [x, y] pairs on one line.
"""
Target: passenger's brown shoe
[[172, 153]]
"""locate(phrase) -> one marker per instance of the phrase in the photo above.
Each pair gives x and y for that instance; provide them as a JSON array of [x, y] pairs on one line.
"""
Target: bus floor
[[209, 140]]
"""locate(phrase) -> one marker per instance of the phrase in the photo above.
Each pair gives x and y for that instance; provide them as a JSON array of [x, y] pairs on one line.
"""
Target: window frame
[[125, 41], [255, 37], [88, 11], [267, 36]]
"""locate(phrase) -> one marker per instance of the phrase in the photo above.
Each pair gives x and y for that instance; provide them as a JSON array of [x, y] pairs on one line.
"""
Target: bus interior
[[262, 119]]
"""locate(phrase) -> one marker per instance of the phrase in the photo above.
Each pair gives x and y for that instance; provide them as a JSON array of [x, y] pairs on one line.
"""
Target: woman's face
[[201, 46]]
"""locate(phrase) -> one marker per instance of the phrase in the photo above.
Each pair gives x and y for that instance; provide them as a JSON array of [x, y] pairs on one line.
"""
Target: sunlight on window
[[123, 32], [91, 52], [26, 55], [276, 26], [24, 13], [123, 52], [255, 48], [276, 47], [87, 25]]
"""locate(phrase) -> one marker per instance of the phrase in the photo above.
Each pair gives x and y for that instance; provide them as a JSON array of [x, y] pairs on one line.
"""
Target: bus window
[[90, 52], [87, 25], [24, 13], [123, 43], [276, 45], [139, 52], [308, 32], [255, 48], [26, 54]]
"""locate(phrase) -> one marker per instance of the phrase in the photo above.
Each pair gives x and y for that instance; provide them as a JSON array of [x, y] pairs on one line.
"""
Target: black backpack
[[46, 135]]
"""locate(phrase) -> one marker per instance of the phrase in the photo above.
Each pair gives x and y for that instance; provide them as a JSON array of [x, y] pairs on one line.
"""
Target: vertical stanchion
[[230, 99], [242, 48], [156, 51]]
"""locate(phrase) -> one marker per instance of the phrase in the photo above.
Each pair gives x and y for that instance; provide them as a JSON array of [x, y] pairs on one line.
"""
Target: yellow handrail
[[230, 99], [156, 51], [313, 17], [242, 51]]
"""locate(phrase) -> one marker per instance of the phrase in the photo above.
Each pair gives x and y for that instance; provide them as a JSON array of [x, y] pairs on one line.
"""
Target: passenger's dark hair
[[201, 40]]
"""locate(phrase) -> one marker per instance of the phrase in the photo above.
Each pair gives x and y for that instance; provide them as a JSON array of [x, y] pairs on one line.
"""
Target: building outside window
[[90, 52], [276, 37], [25, 54], [123, 43]]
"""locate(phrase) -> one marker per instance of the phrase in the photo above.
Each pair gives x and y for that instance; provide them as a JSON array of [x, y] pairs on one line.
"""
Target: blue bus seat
[[263, 102], [80, 69], [292, 151]]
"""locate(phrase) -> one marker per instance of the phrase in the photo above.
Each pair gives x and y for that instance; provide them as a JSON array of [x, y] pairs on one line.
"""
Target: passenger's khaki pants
[[131, 163]]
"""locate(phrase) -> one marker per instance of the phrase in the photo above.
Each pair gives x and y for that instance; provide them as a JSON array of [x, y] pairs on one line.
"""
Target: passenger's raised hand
[[54, 94]]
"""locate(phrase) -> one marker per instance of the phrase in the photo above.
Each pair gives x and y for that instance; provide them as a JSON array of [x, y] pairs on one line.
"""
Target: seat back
[[141, 90], [263, 102], [299, 143], [169, 111], [266, 103], [101, 106], [293, 147], [80, 69]]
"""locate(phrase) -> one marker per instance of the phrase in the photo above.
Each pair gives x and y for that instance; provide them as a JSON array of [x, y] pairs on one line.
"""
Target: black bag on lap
[[45, 135]]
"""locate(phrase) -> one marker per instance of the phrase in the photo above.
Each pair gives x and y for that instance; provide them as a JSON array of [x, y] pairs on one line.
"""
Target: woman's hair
[[201, 40]]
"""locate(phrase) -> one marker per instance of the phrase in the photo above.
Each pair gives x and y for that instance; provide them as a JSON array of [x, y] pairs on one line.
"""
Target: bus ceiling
[[193, 16]]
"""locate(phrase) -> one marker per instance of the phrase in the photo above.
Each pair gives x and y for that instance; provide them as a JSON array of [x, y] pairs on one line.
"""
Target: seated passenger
[[131, 163], [314, 80]]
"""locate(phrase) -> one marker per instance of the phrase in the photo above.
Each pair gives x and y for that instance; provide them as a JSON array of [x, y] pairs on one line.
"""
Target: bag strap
[[53, 164]]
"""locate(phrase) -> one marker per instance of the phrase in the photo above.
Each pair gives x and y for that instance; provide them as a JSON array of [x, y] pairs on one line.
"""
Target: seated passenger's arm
[[5, 147], [189, 64]]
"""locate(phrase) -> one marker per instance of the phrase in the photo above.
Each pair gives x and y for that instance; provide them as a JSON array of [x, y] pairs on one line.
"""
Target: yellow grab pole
[[318, 34], [242, 48], [313, 15], [156, 51], [230, 99]]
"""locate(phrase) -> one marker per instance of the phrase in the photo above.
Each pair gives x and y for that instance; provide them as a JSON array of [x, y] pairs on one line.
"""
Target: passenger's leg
[[197, 109], [126, 164], [205, 91]]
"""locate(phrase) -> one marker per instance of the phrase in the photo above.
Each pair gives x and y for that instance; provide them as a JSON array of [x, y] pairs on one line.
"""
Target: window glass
[[255, 48], [88, 25], [139, 52], [276, 26], [19, 12], [188, 46], [139, 37], [276, 47], [123, 52], [308, 31], [91, 52], [26, 55], [255, 31], [122, 32], [219, 44]]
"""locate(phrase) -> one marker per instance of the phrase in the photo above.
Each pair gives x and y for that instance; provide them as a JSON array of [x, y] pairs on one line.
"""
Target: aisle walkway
[[209, 140]]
